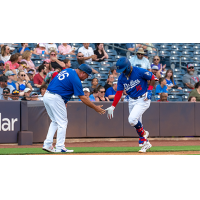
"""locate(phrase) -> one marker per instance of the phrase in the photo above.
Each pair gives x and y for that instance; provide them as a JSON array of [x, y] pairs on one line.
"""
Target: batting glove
[[148, 94], [110, 112]]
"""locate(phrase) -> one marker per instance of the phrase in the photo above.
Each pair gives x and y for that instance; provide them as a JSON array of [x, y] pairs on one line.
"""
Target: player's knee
[[132, 121]]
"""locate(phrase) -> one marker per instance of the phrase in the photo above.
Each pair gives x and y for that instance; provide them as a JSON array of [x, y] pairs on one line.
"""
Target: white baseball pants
[[57, 112], [136, 109]]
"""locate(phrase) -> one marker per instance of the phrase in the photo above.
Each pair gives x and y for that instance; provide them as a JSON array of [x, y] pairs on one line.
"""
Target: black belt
[[138, 97], [51, 92]]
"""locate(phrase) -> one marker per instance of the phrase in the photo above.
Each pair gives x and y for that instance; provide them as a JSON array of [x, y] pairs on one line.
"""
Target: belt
[[50, 92], [138, 97]]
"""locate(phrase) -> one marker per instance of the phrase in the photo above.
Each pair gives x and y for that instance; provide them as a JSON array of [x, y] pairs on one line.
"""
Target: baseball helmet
[[86, 68], [122, 65]]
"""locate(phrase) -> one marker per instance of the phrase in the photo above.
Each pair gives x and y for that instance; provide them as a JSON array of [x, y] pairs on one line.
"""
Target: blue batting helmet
[[122, 65], [86, 68]]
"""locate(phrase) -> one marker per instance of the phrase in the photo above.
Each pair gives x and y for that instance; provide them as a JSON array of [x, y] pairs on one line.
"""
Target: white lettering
[[6, 124], [13, 122], [61, 75], [131, 85]]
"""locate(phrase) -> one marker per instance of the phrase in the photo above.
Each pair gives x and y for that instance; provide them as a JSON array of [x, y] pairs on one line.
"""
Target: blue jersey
[[110, 91], [136, 85], [66, 84]]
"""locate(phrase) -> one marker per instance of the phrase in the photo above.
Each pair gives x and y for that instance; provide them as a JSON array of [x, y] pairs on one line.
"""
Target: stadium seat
[[85, 84], [61, 57], [175, 92], [35, 57], [186, 90], [74, 98], [187, 48], [176, 48], [184, 98], [187, 53], [176, 53], [104, 70], [164, 53], [37, 62], [118, 56], [111, 52], [92, 45], [106, 64], [157, 97], [70, 57], [196, 52], [94, 64], [165, 47], [179, 72], [174, 98], [111, 59], [152, 53]]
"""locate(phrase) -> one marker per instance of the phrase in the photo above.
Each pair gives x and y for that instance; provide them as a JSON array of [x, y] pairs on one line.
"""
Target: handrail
[[187, 57]]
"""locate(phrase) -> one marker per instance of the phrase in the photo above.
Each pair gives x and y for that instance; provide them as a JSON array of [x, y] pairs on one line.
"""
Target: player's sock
[[139, 129]]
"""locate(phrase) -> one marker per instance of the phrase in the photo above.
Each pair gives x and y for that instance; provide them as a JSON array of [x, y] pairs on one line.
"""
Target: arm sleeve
[[120, 85], [118, 96], [145, 74]]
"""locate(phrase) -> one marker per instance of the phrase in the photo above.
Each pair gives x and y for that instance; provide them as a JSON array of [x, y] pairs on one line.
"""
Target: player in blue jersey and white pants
[[59, 92], [134, 81]]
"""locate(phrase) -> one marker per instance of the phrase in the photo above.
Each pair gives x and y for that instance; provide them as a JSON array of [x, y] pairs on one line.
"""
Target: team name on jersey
[[131, 85]]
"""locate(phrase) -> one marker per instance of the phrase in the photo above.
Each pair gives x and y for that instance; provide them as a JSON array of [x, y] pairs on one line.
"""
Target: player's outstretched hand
[[110, 112], [100, 110]]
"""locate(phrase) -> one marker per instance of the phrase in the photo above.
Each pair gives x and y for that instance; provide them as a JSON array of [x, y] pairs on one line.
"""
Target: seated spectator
[[156, 72], [101, 94], [94, 85], [34, 96], [67, 63], [6, 94], [26, 56], [114, 72], [146, 54], [156, 62], [55, 63], [3, 84], [47, 64], [49, 77], [5, 53], [131, 46], [51, 47], [43, 89], [163, 97], [111, 91], [22, 67], [196, 92], [26, 96], [2, 68], [140, 61], [192, 99], [100, 53], [15, 95], [191, 77], [171, 83], [30, 74], [94, 94], [162, 87], [40, 49], [24, 48], [65, 49], [10, 82], [87, 93], [87, 52], [38, 78], [13, 62], [109, 82], [125, 96], [22, 82], [149, 48]]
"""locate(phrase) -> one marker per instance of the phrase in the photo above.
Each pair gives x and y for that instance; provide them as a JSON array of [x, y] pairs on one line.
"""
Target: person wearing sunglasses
[[15, 95], [5, 53], [140, 61], [26, 56], [6, 94], [2, 70], [156, 62], [88, 52], [3, 84], [55, 63], [23, 48], [101, 94], [191, 77], [111, 91]]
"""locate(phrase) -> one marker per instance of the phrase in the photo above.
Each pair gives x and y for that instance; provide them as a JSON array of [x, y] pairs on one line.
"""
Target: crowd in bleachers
[[26, 69]]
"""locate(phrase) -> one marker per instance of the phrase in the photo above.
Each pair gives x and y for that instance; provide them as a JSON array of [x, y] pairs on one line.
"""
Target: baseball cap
[[145, 53], [15, 92], [3, 79], [86, 68], [113, 68], [1, 62], [155, 67], [33, 94], [41, 45], [190, 65], [86, 89], [27, 89], [6, 89], [30, 72], [9, 73]]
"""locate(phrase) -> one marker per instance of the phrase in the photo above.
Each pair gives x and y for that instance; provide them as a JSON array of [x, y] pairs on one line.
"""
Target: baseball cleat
[[49, 149], [64, 150], [145, 148], [143, 140]]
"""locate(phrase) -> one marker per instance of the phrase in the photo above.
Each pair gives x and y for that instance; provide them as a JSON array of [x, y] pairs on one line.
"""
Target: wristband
[[150, 87]]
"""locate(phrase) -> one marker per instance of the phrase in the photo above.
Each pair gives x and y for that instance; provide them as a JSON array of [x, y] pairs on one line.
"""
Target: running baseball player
[[59, 92], [134, 81]]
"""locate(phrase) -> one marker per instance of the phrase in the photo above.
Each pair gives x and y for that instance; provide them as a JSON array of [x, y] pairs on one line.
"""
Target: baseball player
[[134, 81], [59, 92]]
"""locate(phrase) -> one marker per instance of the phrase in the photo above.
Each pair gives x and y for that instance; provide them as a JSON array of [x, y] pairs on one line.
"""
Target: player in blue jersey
[[59, 92], [134, 81]]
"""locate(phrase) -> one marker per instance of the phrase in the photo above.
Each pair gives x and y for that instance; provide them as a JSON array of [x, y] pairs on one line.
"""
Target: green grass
[[24, 151]]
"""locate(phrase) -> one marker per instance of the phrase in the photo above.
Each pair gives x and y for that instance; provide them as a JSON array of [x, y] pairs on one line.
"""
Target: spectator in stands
[[67, 63], [162, 87], [114, 72], [55, 63], [38, 78], [171, 83], [156, 72], [49, 77], [26, 56], [10, 82], [5, 53], [139, 60], [192, 99], [146, 54], [22, 82], [94, 84], [30, 74], [196, 92], [13, 62], [40, 49], [24, 48], [26, 96], [87, 93], [34, 96], [22, 67], [6, 94], [87, 52], [149, 48], [191, 77], [101, 94], [2, 68], [125, 96], [19, 57], [131, 46], [94, 94], [3, 84], [51, 47], [100, 53], [110, 92], [47, 64], [15, 95], [163, 97], [65, 49], [156, 62], [43, 89], [109, 82]]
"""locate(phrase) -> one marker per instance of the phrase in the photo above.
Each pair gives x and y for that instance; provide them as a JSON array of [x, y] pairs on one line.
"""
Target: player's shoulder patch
[[148, 73]]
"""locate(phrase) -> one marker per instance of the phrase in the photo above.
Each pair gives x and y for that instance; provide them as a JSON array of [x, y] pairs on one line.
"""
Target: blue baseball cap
[[86, 68], [1, 62]]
